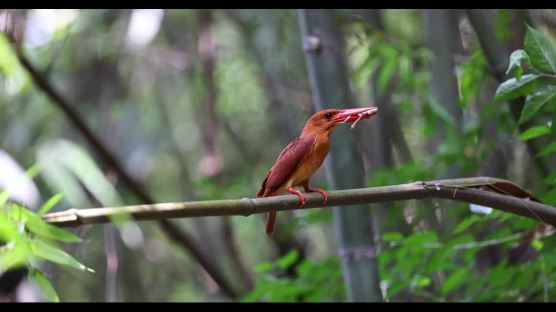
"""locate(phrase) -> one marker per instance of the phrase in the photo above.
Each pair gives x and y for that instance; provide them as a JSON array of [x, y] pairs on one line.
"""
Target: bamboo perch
[[463, 190]]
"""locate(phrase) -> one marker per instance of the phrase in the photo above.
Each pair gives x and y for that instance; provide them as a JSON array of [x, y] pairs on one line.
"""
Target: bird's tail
[[270, 220]]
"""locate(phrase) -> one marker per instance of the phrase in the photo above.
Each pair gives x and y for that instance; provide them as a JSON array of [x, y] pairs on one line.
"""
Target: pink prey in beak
[[354, 115]]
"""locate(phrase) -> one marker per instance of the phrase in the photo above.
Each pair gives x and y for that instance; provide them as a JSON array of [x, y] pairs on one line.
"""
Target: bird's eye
[[329, 115]]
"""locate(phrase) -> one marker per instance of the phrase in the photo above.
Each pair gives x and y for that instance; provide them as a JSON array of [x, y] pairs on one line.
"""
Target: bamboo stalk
[[453, 189], [325, 57]]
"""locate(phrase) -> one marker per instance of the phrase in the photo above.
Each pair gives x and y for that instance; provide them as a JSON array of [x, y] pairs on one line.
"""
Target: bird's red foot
[[298, 193], [321, 191]]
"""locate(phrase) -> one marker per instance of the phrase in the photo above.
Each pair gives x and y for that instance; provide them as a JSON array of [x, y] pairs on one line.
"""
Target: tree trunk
[[443, 38], [344, 168], [211, 163]]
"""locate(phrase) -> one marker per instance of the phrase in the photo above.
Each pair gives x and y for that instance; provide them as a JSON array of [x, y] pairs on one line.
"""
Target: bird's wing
[[288, 161]]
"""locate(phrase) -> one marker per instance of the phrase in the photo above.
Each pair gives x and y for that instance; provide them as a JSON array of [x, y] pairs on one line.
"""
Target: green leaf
[[386, 72], [53, 201], [518, 73], [553, 124], [549, 149], [42, 281], [288, 259], [471, 77], [550, 197], [8, 230], [523, 223], [534, 102], [8, 60], [439, 259], [392, 236], [463, 225], [516, 59], [501, 27], [69, 168], [550, 180], [537, 244], [397, 287], [16, 255], [33, 171], [363, 71], [501, 275], [405, 67], [513, 88], [454, 280], [533, 132], [36, 225], [48, 252], [523, 281], [4, 198], [541, 53], [50, 231], [421, 238], [264, 267], [441, 112], [423, 281]]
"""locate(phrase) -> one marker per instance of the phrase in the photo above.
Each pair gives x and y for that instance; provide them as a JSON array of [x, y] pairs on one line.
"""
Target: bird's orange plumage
[[304, 156]]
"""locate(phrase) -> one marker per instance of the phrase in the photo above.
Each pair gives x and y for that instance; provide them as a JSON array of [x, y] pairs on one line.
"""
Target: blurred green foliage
[[145, 103], [539, 88], [29, 241], [426, 268], [315, 281]]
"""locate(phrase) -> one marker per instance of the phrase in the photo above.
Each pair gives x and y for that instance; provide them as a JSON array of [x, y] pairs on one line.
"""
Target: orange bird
[[304, 155]]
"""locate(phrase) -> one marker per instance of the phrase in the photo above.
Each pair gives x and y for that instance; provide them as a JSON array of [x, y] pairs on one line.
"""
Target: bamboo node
[[251, 206], [312, 44]]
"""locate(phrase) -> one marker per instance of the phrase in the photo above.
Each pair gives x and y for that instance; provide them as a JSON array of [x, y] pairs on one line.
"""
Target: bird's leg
[[324, 193], [298, 193]]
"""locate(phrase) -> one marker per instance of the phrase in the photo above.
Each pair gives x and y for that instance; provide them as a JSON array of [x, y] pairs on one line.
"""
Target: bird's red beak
[[354, 114]]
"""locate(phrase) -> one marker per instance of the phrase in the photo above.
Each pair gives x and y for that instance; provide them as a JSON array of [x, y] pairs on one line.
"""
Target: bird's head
[[326, 120]]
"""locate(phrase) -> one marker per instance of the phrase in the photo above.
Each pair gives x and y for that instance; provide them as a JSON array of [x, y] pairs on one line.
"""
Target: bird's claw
[[302, 198], [300, 195], [321, 191]]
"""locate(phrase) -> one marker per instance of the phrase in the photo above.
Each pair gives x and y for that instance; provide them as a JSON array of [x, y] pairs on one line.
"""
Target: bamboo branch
[[463, 190]]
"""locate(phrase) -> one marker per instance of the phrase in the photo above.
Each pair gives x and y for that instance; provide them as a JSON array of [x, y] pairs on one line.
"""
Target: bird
[[300, 159]]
